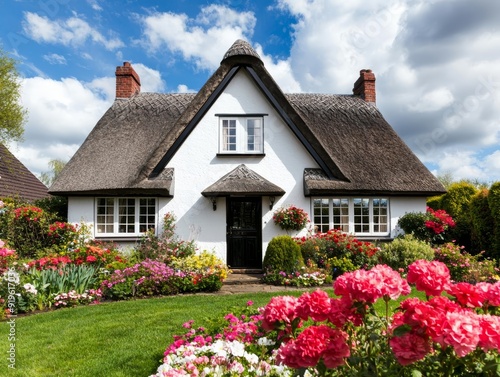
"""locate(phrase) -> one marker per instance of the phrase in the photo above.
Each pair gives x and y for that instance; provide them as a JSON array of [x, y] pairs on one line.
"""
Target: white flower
[[30, 288], [236, 348], [265, 342]]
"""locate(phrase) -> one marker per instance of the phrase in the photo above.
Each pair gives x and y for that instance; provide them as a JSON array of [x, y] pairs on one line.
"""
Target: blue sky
[[436, 62]]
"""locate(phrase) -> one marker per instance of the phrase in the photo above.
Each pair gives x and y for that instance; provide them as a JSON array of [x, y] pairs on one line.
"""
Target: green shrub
[[283, 254], [482, 225], [340, 265], [322, 247], [435, 202], [465, 267], [494, 204], [433, 226], [456, 203], [403, 251]]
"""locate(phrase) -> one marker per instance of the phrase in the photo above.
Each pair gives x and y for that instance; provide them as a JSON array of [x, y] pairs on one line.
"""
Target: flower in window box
[[291, 218]]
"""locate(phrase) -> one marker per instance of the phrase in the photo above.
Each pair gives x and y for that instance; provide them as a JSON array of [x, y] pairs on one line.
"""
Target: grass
[[116, 339]]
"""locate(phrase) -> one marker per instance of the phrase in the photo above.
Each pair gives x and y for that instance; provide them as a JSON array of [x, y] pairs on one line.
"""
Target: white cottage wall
[[402, 205], [197, 166]]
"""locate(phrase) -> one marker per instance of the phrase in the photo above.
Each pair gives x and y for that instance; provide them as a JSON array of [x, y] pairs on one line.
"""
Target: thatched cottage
[[224, 159]]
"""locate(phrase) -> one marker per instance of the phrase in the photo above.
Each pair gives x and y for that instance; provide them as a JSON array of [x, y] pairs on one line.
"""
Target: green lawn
[[125, 338]]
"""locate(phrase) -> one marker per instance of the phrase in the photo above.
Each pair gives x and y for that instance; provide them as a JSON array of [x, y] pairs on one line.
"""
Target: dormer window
[[241, 134]]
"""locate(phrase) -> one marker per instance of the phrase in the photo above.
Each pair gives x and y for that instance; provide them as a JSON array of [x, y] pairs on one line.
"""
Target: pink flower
[[409, 348], [315, 305], [279, 309], [311, 345], [342, 311], [336, 350], [393, 284], [489, 338], [359, 285], [430, 277], [461, 331], [491, 292], [467, 295]]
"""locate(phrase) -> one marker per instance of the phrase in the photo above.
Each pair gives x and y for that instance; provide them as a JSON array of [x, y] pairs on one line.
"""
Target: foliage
[[48, 177], [56, 205], [282, 254], [290, 218], [431, 226], [482, 225], [307, 276], [12, 115], [403, 251], [167, 245], [27, 229], [494, 204], [465, 267], [322, 247], [205, 264], [456, 202]]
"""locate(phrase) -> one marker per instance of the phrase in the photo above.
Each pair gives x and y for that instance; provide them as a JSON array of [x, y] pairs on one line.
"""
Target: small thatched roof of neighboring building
[[242, 180], [16, 180], [356, 150]]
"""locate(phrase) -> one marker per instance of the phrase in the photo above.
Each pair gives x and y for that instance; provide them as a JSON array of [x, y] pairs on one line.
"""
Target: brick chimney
[[128, 83], [365, 86]]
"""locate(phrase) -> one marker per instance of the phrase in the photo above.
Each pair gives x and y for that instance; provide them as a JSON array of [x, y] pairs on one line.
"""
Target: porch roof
[[242, 180]]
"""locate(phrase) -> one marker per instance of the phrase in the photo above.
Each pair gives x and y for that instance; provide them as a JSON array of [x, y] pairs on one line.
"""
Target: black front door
[[244, 232]]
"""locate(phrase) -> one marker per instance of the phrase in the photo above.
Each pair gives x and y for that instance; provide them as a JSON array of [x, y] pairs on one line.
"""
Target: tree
[[12, 115], [48, 177]]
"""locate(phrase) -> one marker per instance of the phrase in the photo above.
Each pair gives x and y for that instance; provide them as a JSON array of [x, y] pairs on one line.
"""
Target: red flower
[[91, 259], [468, 295], [281, 309], [430, 277], [410, 348], [315, 305]]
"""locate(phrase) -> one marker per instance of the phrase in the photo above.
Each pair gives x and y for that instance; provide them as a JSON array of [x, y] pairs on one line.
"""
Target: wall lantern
[[271, 202], [213, 199]]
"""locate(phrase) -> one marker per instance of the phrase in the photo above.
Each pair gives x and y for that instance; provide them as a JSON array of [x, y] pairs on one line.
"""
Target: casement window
[[241, 135], [361, 216], [124, 216]]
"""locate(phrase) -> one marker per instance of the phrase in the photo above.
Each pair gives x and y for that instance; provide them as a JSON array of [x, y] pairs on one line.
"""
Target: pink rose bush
[[455, 331]]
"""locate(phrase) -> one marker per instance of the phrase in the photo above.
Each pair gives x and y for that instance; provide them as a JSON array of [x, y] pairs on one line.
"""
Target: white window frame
[[114, 218], [350, 225], [242, 136]]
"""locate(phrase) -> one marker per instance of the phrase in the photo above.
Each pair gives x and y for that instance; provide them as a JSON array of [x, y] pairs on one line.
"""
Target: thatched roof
[[242, 180], [16, 180], [356, 149]]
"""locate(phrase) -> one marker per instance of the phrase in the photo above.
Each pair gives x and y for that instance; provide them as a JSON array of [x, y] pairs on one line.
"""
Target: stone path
[[249, 283]]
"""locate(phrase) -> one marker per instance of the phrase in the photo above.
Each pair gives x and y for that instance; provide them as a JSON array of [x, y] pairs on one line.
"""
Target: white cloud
[[434, 100], [184, 89], [71, 32], [55, 59], [61, 115], [204, 39], [151, 80]]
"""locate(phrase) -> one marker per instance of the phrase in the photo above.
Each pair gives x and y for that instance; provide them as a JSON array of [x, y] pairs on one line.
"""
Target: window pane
[[254, 135], [321, 209], [361, 215], [126, 220], [380, 215], [229, 135], [105, 218], [341, 214], [147, 220]]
